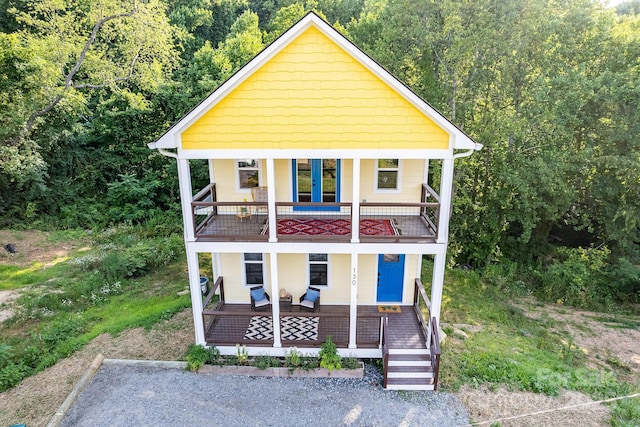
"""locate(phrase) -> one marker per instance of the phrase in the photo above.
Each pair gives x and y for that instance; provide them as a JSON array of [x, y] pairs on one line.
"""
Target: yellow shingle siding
[[314, 95]]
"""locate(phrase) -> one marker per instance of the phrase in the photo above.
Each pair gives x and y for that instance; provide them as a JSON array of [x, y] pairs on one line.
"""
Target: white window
[[253, 270], [387, 176], [318, 267], [247, 174]]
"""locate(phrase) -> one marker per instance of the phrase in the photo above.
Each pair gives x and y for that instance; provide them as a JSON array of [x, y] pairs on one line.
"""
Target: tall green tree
[[60, 58]]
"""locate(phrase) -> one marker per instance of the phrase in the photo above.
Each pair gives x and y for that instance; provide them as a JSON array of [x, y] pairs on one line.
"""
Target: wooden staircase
[[410, 369]]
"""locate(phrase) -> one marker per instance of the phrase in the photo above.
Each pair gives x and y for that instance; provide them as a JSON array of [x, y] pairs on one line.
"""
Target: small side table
[[243, 212], [285, 304]]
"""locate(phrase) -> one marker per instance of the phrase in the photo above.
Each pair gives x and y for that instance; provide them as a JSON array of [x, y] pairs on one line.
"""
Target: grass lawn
[[510, 347], [119, 279]]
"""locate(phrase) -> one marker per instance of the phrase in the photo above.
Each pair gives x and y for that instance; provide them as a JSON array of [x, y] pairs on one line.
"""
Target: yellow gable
[[312, 94]]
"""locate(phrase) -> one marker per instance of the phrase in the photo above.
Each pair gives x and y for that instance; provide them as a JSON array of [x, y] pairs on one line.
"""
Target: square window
[[248, 173], [387, 174], [318, 270], [253, 269]]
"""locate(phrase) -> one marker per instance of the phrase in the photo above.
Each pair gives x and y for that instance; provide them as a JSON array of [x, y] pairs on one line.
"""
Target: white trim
[[308, 270], [196, 297], [398, 171], [244, 263], [353, 301], [355, 201], [186, 195], [275, 300], [288, 154], [317, 247], [171, 139], [446, 190]]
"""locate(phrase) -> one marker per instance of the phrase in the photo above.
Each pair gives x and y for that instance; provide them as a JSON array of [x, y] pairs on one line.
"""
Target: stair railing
[[385, 351]]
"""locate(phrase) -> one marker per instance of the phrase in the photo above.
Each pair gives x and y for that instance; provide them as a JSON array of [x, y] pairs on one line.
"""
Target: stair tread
[[409, 351], [417, 368], [410, 357], [411, 387], [409, 381]]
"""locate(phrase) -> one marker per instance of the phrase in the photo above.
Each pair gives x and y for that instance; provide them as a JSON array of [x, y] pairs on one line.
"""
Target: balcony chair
[[259, 299], [259, 194], [310, 300]]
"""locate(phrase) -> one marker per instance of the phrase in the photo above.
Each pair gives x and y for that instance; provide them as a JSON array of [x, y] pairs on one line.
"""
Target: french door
[[316, 181]]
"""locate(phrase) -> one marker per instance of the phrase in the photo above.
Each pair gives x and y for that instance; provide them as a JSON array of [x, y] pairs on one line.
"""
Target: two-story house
[[330, 181]]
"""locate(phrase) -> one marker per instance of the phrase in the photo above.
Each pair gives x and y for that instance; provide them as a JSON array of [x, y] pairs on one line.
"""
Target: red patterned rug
[[334, 227]]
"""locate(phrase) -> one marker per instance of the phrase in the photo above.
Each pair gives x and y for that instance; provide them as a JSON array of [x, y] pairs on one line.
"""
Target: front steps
[[409, 369]]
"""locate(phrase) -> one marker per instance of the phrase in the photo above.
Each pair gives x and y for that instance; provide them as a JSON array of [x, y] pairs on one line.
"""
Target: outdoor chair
[[259, 194], [310, 300], [259, 299]]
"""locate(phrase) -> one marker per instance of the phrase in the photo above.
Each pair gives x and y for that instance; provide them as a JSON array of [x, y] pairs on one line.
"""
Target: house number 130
[[354, 278]]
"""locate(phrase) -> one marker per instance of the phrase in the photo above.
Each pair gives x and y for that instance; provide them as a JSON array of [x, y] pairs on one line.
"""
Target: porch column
[[275, 298], [355, 202], [216, 270], [211, 174], [446, 190], [271, 199], [196, 294], [437, 282], [425, 176], [186, 195], [353, 306]]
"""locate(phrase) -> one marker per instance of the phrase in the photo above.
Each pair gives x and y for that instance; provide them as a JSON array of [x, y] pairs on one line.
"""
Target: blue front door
[[316, 181], [390, 278]]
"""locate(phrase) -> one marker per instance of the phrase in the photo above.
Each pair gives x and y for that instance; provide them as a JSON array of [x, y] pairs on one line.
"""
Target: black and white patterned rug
[[292, 328]]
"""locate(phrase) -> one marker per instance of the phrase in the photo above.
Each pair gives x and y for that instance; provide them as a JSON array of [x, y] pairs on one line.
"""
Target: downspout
[[162, 151], [469, 152]]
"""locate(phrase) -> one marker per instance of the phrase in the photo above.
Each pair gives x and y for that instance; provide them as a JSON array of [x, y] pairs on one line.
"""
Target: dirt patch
[[33, 246], [36, 399], [605, 344], [6, 300], [486, 405]]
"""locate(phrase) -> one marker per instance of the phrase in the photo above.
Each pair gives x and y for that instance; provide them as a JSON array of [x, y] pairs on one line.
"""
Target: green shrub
[[308, 363], [265, 361], [292, 358], [213, 355], [196, 357], [328, 355], [576, 277], [60, 330], [11, 375], [350, 362]]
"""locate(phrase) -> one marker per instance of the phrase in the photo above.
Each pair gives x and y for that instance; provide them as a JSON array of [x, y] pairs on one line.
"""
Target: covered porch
[[215, 220], [397, 326]]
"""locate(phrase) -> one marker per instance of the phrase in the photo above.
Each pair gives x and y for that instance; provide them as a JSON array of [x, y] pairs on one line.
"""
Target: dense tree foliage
[[550, 87]]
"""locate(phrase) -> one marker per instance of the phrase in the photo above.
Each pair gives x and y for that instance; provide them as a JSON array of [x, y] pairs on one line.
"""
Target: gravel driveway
[[125, 395]]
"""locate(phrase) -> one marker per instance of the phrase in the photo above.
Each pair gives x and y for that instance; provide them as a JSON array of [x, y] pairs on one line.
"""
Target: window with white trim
[[253, 269], [387, 176], [318, 269], [247, 173]]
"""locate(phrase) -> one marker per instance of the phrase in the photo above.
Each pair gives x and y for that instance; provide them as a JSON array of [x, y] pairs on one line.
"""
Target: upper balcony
[[216, 220]]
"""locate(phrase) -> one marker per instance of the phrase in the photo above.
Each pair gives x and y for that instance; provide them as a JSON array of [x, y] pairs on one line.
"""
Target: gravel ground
[[125, 395]]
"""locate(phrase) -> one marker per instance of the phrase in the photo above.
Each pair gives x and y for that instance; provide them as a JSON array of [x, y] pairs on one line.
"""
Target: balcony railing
[[296, 221]]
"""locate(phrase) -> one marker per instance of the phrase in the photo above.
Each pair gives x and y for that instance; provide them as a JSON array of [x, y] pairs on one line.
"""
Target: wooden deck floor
[[404, 331]]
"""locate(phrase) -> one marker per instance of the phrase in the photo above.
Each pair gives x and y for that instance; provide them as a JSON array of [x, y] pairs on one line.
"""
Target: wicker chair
[[310, 301], [259, 299]]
